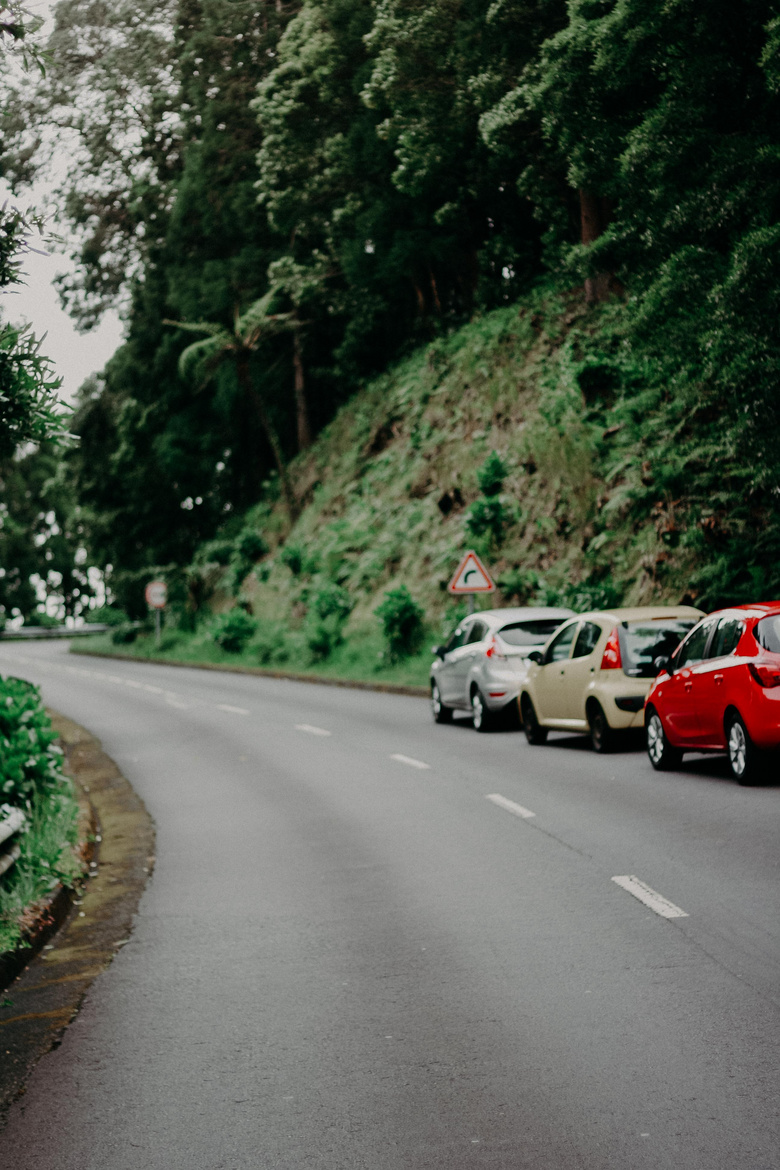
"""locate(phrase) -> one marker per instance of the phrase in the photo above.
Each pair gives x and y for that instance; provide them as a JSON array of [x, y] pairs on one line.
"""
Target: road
[[349, 956]]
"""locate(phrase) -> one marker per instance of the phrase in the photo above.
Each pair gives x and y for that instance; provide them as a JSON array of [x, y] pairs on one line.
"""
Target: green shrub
[[41, 620], [123, 634], [249, 548], [492, 474], [216, 552], [29, 762], [31, 778], [233, 630], [488, 520], [292, 555], [329, 609], [402, 623], [271, 643], [109, 615]]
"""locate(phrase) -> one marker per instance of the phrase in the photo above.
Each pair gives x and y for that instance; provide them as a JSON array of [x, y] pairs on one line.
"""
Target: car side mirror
[[439, 651], [536, 656], [662, 662]]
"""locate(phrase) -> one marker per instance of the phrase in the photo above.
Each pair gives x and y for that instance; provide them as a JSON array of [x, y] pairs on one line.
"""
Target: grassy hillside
[[390, 491], [390, 495]]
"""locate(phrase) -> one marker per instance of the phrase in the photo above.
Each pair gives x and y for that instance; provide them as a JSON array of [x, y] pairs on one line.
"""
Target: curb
[[262, 672], [49, 991]]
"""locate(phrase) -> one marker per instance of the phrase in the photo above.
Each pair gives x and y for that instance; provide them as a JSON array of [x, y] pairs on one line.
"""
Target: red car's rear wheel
[[662, 755]]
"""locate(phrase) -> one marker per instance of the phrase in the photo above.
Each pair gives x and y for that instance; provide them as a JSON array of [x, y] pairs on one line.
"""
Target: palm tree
[[220, 345]]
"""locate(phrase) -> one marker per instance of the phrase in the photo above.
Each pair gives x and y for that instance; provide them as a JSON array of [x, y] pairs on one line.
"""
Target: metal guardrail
[[31, 632], [12, 822]]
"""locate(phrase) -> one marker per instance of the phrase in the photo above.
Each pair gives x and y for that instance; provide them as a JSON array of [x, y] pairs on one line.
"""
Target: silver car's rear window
[[642, 642], [530, 633]]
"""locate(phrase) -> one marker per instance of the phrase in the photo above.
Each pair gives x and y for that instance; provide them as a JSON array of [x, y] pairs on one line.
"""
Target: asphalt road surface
[[351, 955]]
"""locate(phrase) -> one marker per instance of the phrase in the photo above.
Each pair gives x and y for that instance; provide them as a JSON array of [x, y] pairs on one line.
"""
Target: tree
[[238, 346]]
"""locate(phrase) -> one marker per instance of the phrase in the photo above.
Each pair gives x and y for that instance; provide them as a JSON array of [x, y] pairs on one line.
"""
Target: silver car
[[485, 663]]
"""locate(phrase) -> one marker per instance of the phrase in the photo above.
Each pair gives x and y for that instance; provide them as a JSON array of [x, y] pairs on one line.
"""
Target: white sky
[[75, 355]]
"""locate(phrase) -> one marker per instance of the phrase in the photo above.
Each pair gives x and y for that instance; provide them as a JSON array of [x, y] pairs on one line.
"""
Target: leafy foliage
[[402, 623], [233, 630]]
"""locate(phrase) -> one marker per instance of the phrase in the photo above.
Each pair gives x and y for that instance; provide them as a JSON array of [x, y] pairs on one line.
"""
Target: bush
[[328, 611], [402, 623], [29, 762], [109, 615], [233, 630], [31, 778], [488, 520], [121, 635], [292, 555], [492, 474], [249, 548], [271, 643], [41, 620]]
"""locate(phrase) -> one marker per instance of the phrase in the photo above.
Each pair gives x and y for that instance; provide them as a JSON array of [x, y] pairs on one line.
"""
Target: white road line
[[656, 902], [409, 760], [176, 702], [233, 710], [150, 688], [311, 730], [510, 806]]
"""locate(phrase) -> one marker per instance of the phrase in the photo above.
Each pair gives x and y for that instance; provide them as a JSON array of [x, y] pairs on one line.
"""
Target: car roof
[[757, 609], [502, 617], [638, 613]]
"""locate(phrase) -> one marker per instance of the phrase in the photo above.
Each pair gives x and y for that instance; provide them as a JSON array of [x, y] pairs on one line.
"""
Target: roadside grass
[[359, 658], [47, 859]]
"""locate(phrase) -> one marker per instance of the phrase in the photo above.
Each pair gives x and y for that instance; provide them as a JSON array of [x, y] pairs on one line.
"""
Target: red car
[[720, 691]]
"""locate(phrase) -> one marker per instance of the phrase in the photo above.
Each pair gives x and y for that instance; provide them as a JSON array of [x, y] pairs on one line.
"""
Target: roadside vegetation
[[32, 779]]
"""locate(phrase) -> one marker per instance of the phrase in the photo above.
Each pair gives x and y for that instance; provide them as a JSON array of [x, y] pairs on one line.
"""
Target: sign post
[[471, 577], [156, 594]]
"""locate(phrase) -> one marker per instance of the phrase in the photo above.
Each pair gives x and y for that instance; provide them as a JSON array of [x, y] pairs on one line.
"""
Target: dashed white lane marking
[[233, 710], [409, 760], [510, 805], [311, 730], [174, 701], [147, 687], [656, 902]]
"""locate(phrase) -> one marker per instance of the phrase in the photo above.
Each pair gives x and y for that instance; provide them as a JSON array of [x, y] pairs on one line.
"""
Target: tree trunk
[[594, 217], [256, 399], [299, 388]]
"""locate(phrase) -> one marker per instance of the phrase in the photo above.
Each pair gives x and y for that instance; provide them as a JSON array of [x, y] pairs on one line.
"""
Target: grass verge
[[360, 658]]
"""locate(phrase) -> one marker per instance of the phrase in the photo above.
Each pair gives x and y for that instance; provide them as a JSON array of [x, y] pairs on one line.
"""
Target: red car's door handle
[[689, 686], [718, 678]]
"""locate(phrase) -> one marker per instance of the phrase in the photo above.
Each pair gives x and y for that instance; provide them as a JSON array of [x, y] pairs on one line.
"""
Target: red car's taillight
[[764, 674], [612, 659]]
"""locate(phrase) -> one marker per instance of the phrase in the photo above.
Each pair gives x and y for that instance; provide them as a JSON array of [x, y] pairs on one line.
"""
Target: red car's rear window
[[767, 633]]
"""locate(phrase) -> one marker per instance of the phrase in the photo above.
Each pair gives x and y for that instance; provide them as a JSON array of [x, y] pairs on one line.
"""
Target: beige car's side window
[[586, 639], [561, 644]]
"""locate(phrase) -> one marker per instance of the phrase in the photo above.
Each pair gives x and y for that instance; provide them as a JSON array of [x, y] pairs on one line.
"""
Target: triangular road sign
[[471, 576]]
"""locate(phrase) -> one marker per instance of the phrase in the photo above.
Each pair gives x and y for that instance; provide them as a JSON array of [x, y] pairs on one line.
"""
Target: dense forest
[[288, 198]]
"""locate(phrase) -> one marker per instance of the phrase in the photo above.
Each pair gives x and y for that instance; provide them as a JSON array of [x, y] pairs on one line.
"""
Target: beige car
[[595, 672]]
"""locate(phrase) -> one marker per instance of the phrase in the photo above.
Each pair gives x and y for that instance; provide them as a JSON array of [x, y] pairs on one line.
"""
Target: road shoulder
[[43, 1000]]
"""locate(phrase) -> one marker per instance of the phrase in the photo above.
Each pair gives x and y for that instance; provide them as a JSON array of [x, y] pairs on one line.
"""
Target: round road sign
[[156, 594]]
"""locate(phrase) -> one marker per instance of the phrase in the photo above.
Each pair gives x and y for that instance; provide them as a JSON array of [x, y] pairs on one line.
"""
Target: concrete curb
[[263, 672], [48, 993]]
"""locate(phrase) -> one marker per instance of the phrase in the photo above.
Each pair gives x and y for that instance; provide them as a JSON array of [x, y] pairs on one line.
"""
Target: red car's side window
[[726, 637]]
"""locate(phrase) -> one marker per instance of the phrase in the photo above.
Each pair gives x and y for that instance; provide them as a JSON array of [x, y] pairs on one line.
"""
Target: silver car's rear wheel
[[480, 713]]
